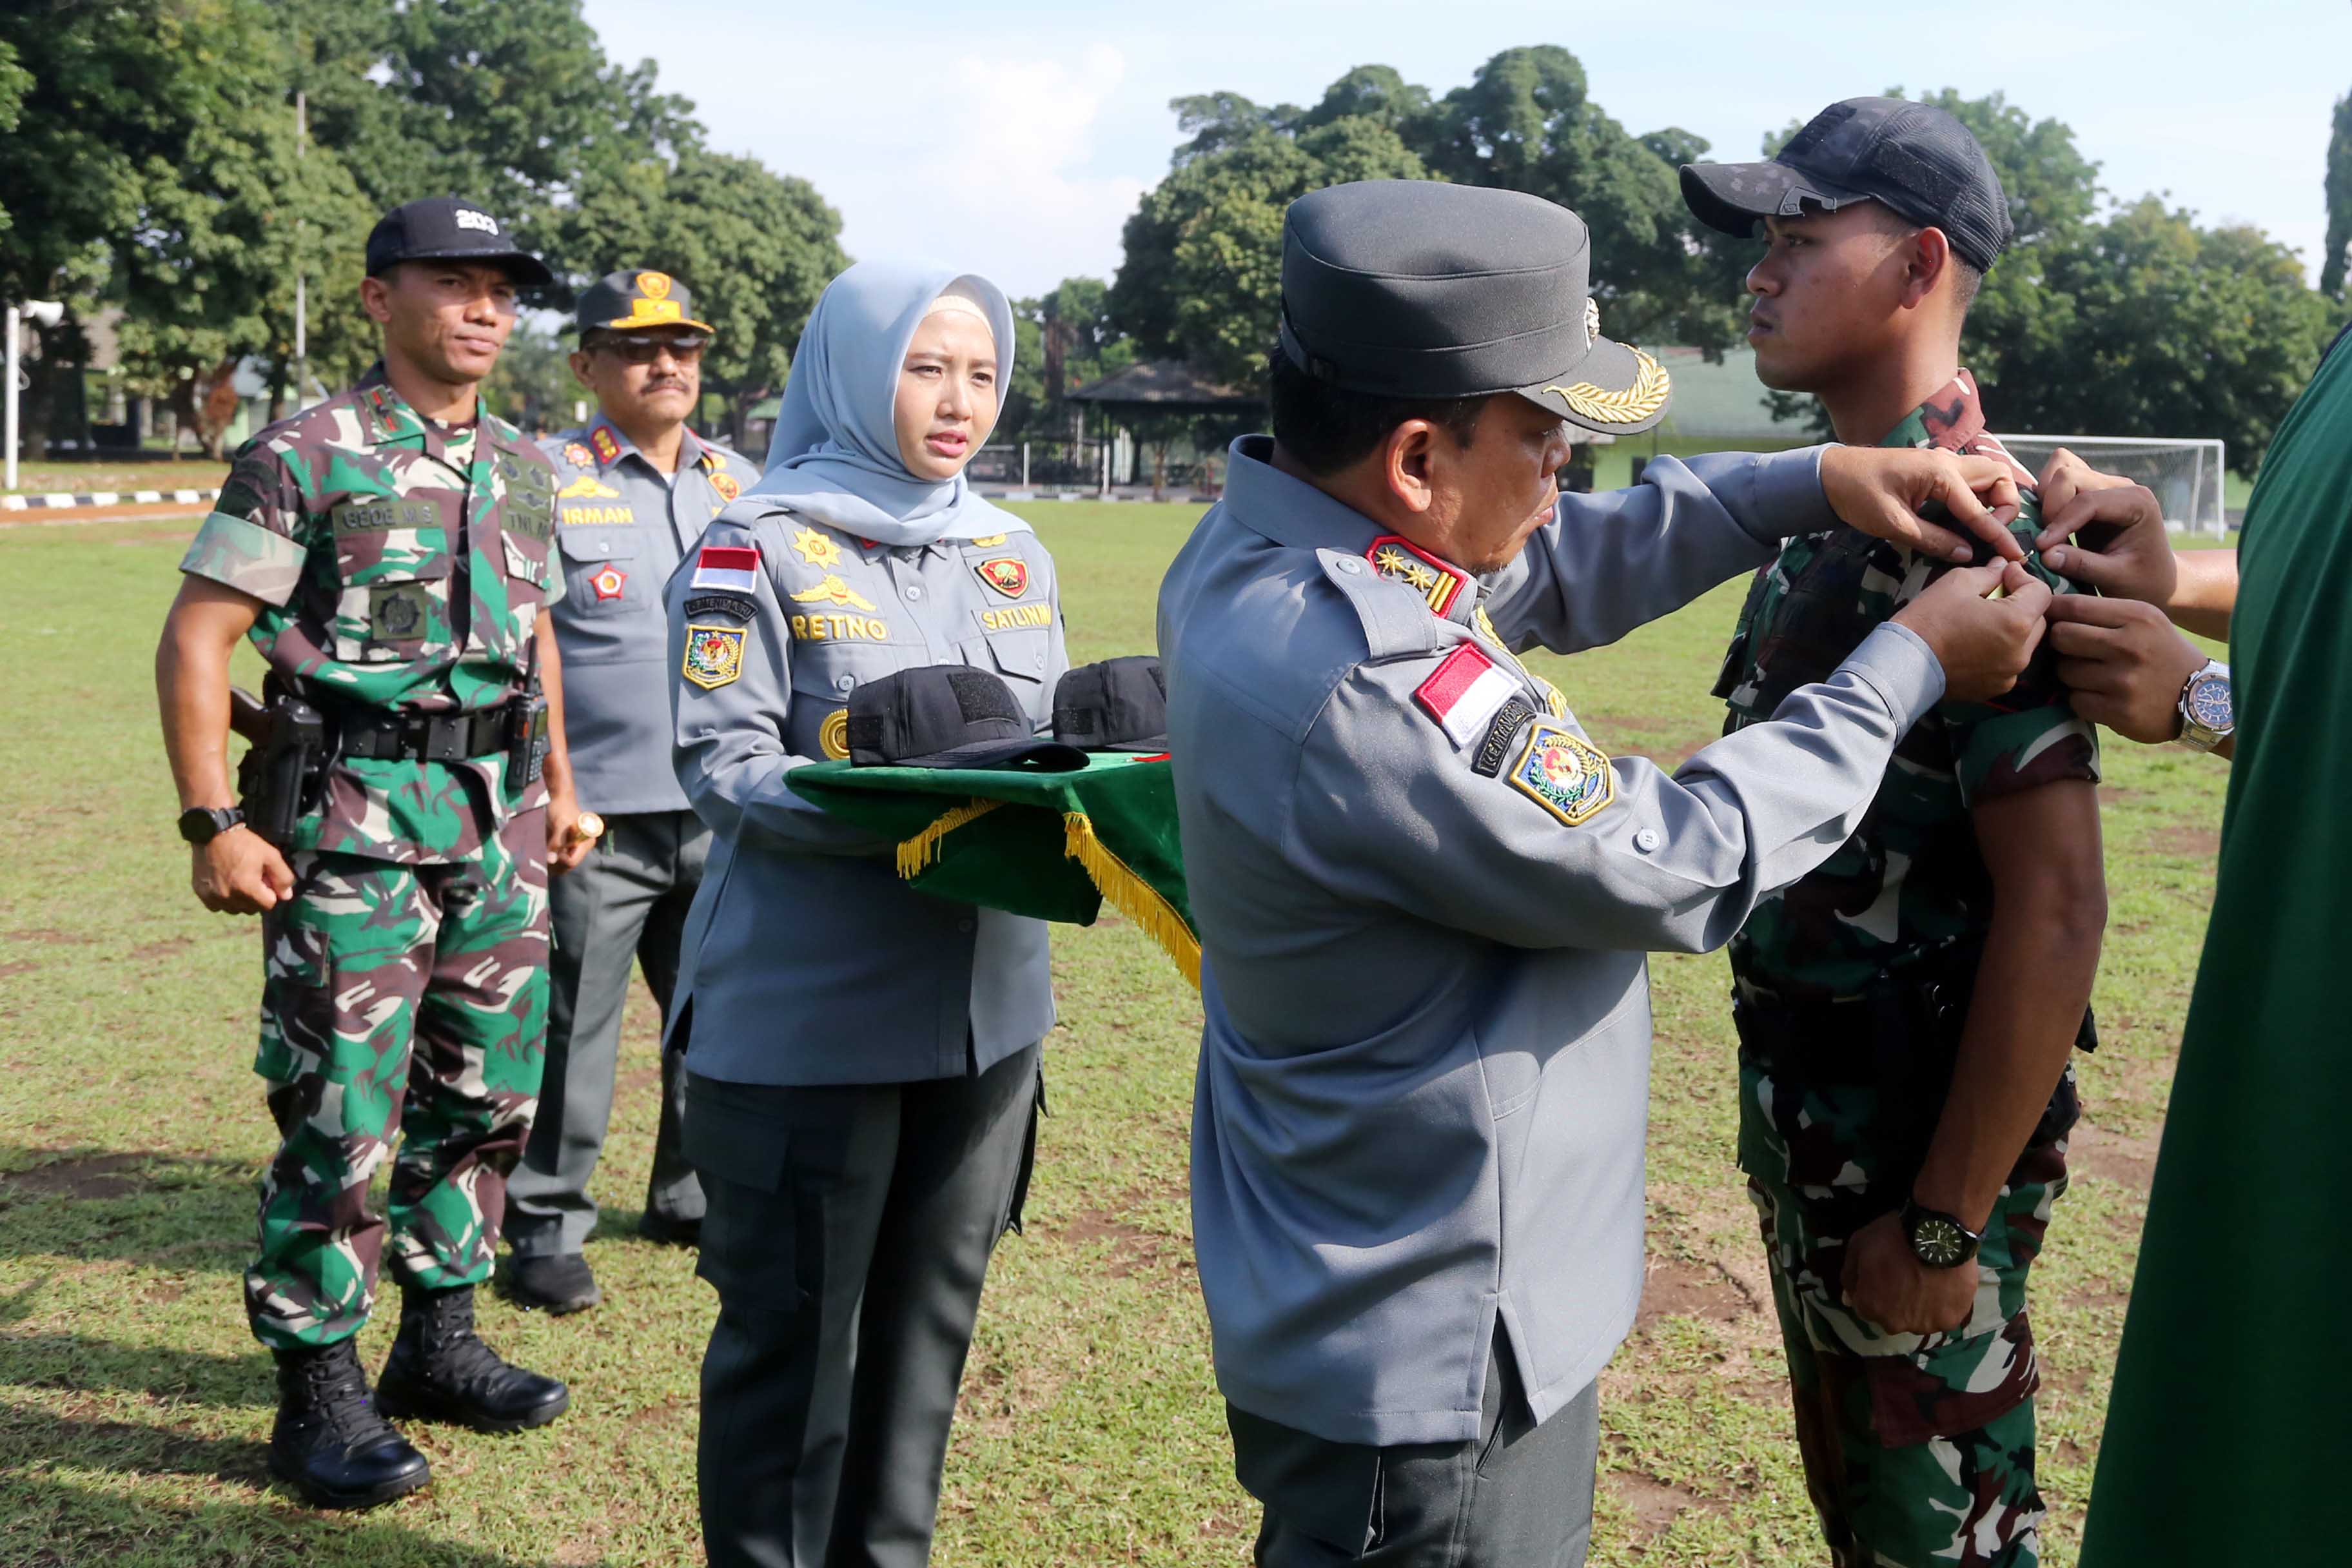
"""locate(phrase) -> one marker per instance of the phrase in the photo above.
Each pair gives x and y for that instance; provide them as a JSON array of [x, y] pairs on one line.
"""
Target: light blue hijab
[[835, 454]]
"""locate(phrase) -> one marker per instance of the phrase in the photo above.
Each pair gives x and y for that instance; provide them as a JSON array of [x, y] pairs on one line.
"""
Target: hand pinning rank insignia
[[1564, 773], [1401, 561]]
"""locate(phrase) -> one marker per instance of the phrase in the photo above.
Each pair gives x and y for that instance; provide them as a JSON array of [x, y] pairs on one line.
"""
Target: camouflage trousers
[[1918, 1449], [403, 1003]]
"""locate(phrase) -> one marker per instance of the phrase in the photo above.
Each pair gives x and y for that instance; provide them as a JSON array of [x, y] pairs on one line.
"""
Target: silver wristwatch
[[2207, 718]]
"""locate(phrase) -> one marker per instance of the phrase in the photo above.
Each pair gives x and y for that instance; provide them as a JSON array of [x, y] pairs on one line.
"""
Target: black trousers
[[1520, 1495], [847, 1233]]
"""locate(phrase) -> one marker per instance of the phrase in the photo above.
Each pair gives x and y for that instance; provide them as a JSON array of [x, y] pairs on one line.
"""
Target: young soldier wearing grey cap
[[1907, 1008], [1424, 896], [635, 489]]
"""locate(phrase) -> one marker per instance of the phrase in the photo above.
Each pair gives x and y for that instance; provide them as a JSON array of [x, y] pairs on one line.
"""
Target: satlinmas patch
[[1463, 692], [714, 654], [728, 568], [1564, 773]]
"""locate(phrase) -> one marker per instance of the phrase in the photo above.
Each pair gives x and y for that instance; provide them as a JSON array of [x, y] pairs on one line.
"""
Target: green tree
[[1201, 277], [1062, 340], [2333, 253]]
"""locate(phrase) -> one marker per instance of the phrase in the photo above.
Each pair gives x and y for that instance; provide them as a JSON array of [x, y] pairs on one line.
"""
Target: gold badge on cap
[[1644, 397], [654, 285]]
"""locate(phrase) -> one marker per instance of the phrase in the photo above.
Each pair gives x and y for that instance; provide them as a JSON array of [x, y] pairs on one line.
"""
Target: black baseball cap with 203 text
[[446, 228], [1914, 158]]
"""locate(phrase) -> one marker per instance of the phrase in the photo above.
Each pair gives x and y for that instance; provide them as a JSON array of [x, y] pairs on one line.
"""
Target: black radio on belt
[[526, 738]]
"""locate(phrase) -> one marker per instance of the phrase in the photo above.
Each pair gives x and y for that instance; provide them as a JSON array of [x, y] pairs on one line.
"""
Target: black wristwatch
[[200, 824], [1937, 1241]]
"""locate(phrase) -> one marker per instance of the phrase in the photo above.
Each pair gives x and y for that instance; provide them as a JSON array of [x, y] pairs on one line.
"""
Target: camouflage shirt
[[400, 566], [1911, 879]]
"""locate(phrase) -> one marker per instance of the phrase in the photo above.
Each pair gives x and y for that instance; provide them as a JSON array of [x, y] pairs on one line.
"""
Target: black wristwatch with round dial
[[200, 824], [1938, 1239]]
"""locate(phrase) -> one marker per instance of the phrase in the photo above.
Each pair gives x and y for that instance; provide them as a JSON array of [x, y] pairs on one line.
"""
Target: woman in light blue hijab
[[863, 1061]]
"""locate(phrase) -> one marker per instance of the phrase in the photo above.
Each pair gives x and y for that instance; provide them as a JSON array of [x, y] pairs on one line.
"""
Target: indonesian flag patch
[[730, 568], [1463, 692]]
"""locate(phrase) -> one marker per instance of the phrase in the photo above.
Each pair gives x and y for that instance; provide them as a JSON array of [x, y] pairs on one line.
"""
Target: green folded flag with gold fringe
[[1052, 846]]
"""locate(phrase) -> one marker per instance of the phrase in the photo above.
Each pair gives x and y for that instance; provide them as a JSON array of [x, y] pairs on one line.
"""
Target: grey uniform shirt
[[620, 526], [1424, 1065], [806, 960]]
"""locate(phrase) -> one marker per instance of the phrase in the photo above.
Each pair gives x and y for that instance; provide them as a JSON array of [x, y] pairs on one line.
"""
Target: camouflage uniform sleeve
[[254, 540], [2031, 736]]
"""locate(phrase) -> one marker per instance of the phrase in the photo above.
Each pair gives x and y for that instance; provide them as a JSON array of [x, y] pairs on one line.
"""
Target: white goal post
[[2185, 474]]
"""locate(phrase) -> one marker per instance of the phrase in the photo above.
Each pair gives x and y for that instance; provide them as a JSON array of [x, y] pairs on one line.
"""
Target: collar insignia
[[816, 548], [728, 485], [607, 449], [1401, 561]]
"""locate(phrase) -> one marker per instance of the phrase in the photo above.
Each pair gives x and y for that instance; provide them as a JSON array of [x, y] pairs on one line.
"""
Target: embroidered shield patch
[[1564, 773], [1008, 574], [609, 584], [714, 654], [728, 485]]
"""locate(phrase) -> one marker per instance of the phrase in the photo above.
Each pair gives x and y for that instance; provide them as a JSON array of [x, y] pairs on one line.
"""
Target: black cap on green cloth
[[1414, 289]]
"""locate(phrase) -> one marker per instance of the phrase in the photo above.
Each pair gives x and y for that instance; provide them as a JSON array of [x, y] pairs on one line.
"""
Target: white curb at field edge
[[105, 498]]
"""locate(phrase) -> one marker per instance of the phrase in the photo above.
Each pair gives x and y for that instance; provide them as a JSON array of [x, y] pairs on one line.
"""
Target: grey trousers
[[626, 900], [1518, 1497], [849, 1231]]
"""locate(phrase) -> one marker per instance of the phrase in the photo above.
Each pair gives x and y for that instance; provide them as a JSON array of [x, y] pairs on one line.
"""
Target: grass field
[[191, 473], [134, 1407]]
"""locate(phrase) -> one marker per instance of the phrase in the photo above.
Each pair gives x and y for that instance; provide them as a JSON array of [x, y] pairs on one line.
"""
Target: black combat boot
[[330, 1444], [439, 1370]]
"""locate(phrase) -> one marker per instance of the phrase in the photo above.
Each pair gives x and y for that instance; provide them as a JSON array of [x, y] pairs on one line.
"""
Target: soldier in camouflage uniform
[[391, 569], [1903, 1127]]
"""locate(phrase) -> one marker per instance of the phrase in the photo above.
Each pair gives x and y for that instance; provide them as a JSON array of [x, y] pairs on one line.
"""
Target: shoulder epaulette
[[1396, 619]]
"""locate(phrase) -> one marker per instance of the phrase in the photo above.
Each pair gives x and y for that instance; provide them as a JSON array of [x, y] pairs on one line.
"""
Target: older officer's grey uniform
[[621, 526], [1424, 899], [861, 1059]]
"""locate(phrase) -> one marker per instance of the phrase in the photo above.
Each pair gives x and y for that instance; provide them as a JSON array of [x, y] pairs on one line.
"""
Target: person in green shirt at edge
[[2242, 1252], [1907, 1011]]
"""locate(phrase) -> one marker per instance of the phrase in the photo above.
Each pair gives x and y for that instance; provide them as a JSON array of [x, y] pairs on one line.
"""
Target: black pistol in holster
[[527, 730], [284, 769]]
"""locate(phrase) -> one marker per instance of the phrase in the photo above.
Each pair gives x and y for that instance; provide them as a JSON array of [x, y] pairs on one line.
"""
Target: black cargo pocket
[[751, 1247]]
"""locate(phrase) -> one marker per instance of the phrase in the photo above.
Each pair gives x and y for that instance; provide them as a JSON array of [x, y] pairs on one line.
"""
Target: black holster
[[283, 779]]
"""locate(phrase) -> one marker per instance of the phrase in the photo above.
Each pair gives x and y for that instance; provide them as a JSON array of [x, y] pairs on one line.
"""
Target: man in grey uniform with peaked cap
[[1424, 896]]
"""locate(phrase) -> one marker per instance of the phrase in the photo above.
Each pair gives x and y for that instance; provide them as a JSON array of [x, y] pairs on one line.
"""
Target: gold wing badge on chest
[[834, 591]]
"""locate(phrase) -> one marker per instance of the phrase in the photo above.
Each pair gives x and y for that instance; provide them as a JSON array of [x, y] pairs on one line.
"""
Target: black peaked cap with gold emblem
[[1414, 289], [633, 301]]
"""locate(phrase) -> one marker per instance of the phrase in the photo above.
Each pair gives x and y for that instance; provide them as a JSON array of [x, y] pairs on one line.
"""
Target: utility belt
[[1899, 1036], [283, 777]]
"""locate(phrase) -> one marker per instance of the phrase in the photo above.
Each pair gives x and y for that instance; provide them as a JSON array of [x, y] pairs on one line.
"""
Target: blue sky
[[1015, 138]]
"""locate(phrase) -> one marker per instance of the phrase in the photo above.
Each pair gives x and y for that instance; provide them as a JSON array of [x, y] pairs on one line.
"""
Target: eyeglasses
[[644, 348]]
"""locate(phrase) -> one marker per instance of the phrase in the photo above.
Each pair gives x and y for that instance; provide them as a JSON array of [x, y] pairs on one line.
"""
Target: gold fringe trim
[[1133, 897], [920, 851]]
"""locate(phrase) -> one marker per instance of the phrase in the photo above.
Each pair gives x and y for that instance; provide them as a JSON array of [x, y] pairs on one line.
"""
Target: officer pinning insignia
[[818, 548], [730, 568], [1008, 574], [714, 654], [832, 591], [1564, 773], [733, 604], [1466, 690], [1502, 733], [578, 455], [610, 583], [1401, 561], [608, 450], [833, 735], [587, 487]]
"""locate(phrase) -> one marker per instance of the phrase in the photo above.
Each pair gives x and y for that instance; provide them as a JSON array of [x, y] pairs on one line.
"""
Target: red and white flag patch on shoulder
[[1463, 692], [731, 567]]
